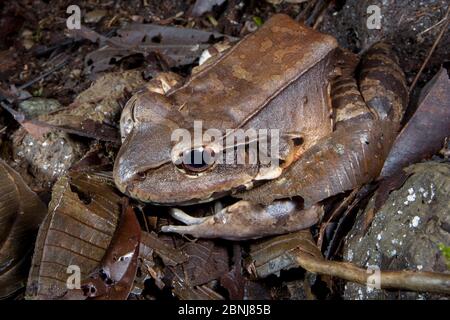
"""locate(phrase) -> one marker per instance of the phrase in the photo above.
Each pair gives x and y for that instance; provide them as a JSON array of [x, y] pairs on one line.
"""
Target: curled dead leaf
[[425, 132], [114, 277], [21, 212]]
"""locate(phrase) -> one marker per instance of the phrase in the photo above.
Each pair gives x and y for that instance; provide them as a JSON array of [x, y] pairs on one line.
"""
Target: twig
[[319, 18], [316, 14], [405, 280], [43, 75], [432, 27], [436, 42], [302, 15], [336, 212]]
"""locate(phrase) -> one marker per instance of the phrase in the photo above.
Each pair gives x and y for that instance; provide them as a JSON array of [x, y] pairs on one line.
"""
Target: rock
[[49, 157], [34, 107], [405, 233]]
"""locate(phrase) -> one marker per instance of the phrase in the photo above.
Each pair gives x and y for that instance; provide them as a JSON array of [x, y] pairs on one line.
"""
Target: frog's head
[[161, 160]]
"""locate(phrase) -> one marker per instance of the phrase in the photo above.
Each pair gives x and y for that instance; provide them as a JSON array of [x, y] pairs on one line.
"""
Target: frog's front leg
[[246, 220]]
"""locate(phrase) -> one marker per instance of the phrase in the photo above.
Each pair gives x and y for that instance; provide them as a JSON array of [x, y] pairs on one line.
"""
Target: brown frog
[[334, 131]]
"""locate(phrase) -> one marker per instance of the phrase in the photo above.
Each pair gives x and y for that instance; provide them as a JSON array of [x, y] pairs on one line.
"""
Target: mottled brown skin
[[278, 73], [279, 77]]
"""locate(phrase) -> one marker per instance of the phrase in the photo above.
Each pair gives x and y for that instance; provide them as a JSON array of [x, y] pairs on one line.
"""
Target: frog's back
[[240, 83]]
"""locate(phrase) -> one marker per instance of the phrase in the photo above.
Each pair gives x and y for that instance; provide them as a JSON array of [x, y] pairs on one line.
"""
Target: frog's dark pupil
[[197, 160]]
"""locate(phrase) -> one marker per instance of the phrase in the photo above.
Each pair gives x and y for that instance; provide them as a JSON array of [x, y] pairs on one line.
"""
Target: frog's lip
[[136, 190], [214, 196], [166, 185]]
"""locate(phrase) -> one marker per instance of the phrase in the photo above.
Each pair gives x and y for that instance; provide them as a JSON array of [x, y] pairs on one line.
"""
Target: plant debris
[[21, 212], [66, 232]]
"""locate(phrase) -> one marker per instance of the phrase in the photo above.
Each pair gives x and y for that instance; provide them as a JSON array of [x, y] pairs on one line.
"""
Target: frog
[[335, 115]]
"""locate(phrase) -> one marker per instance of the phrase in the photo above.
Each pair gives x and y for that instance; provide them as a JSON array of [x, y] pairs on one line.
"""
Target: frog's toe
[[180, 215], [197, 227], [180, 229], [246, 220]]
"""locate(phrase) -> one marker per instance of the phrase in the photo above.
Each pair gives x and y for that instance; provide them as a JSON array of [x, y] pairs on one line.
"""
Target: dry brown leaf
[[192, 279], [21, 212], [270, 256], [425, 132], [207, 261], [169, 255], [114, 277], [184, 292], [180, 46], [82, 219], [234, 281]]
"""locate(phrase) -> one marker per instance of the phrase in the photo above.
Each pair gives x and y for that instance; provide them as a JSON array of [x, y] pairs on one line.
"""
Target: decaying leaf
[[82, 219], [95, 110], [189, 267], [425, 132], [180, 46], [270, 256], [169, 255], [152, 251], [184, 292], [95, 159], [21, 212], [234, 281], [146, 265], [115, 275], [207, 261]]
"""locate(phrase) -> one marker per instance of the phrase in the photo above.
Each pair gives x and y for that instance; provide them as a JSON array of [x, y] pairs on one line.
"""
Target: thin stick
[[405, 280], [336, 212], [43, 75], [319, 18], [301, 17], [436, 42]]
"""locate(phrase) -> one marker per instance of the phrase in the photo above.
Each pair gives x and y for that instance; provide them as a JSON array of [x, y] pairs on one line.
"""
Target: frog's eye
[[197, 160]]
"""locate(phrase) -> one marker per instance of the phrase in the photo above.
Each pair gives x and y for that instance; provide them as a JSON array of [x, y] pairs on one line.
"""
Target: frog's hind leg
[[346, 99], [246, 220], [382, 83]]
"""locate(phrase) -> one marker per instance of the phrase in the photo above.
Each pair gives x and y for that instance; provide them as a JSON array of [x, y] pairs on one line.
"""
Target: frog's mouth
[[167, 185], [214, 196], [165, 181]]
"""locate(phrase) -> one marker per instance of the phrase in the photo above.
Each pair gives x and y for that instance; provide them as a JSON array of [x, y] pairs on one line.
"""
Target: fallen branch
[[403, 280]]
